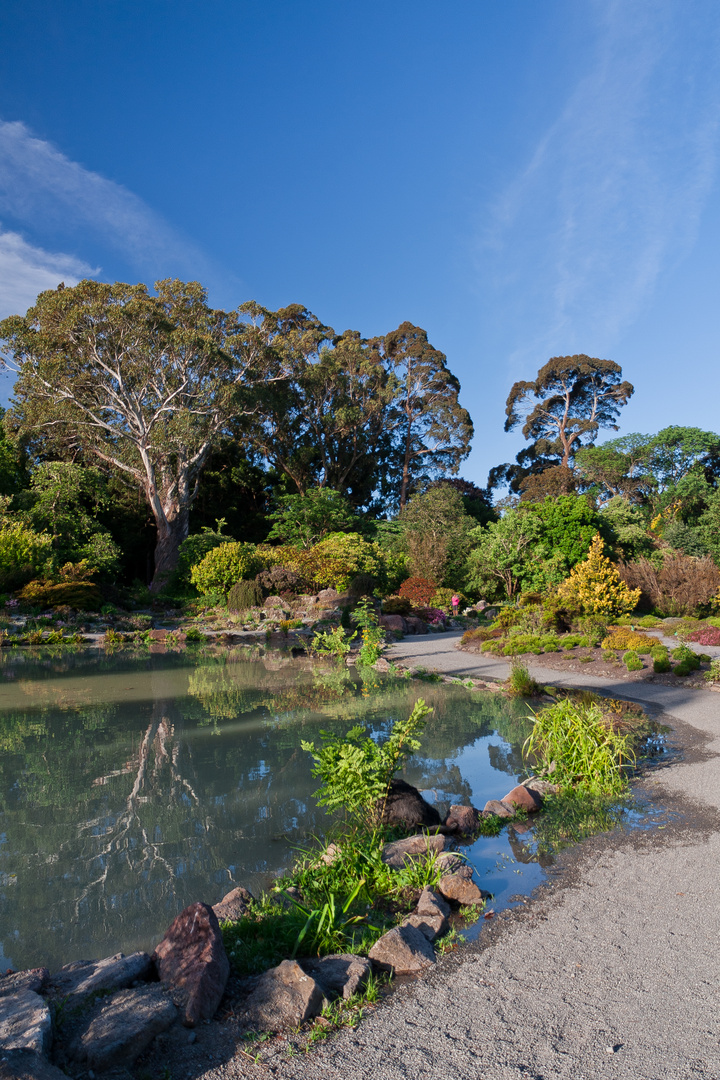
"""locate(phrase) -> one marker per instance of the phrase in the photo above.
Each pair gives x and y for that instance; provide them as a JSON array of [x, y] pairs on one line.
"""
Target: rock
[[393, 623], [32, 979], [450, 861], [339, 973], [400, 852], [123, 1027], [284, 998], [461, 889], [27, 1065], [415, 625], [272, 602], [83, 977], [463, 819], [157, 635], [404, 950], [431, 903], [432, 926], [382, 665], [192, 957], [25, 1022], [500, 809], [523, 798], [234, 905], [404, 805], [543, 787], [330, 855]]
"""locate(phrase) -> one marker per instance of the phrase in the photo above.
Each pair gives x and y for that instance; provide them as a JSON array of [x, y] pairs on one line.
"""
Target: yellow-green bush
[[23, 554], [625, 638], [340, 557], [222, 567], [82, 595], [594, 586]]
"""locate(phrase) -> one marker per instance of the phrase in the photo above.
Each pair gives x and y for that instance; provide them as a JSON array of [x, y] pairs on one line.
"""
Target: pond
[[133, 784]]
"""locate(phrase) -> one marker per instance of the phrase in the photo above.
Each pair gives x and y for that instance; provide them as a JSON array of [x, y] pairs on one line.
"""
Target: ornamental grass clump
[[594, 586], [579, 748]]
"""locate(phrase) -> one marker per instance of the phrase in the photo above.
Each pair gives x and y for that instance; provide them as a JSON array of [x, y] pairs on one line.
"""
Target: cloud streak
[[26, 271], [613, 192]]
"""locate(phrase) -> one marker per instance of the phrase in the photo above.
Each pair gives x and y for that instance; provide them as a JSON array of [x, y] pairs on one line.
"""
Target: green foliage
[[340, 557], [23, 553], [194, 548], [661, 663], [373, 636], [442, 600], [437, 528], [565, 526], [303, 520], [355, 770], [713, 675], [686, 658], [632, 661], [520, 682], [396, 605], [574, 744], [243, 595], [223, 566], [332, 642], [629, 526]]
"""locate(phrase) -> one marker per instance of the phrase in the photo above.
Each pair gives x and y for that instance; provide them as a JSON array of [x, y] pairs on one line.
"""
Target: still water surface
[[133, 784]]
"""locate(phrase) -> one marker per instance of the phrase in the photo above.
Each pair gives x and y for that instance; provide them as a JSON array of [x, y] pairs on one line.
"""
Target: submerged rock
[[192, 957], [84, 977], [404, 805], [404, 950], [285, 997], [123, 1027], [25, 1022]]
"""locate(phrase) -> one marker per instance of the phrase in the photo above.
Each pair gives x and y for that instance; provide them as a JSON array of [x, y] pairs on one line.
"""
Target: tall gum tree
[[145, 383]]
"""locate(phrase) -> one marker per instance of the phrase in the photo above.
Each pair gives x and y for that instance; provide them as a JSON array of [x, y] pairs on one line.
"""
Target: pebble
[[192, 1037]]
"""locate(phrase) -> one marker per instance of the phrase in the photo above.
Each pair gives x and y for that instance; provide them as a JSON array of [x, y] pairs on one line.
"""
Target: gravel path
[[612, 971]]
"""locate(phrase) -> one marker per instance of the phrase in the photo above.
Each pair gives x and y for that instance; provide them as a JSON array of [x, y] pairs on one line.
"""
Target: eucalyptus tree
[[146, 384]]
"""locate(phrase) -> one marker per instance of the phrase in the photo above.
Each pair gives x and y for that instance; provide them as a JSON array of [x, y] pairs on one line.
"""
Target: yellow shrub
[[625, 638], [595, 586]]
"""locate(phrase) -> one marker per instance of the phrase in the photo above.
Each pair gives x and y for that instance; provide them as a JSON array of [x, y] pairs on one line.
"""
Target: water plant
[[332, 642], [373, 636]]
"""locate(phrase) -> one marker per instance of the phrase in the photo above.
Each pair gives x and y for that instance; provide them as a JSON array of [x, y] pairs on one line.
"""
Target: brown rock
[[284, 998], [392, 622], [157, 635], [339, 973], [460, 888], [450, 861], [192, 957], [399, 853], [523, 798], [500, 809], [416, 625], [381, 665], [463, 819], [431, 903], [234, 905], [404, 950], [32, 979], [432, 926], [404, 805], [543, 787]]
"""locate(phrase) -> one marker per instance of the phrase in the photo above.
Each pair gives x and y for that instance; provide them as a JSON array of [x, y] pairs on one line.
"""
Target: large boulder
[[339, 974], [234, 905], [416, 625], [523, 798], [404, 805], [404, 950], [123, 1026], [78, 980], [25, 1022], [285, 997], [399, 853], [192, 957], [463, 819], [395, 623]]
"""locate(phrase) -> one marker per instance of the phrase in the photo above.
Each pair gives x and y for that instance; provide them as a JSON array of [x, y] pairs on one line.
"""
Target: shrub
[[713, 675], [661, 664], [682, 585], [81, 595], [595, 587], [396, 605], [362, 585], [481, 633], [707, 636], [625, 638], [632, 661], [244, 595], [280, 581], [442, 599], [23, 554], [194, 548], [332, 642], [340, 557], [686, 658], [418, 590], [223, 566], [373, 636], [520, 682]]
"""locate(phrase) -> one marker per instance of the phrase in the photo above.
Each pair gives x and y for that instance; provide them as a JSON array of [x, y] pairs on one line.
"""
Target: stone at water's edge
[[404, 805], [432, 926], [84, 977], [495, 806], [234, 905], [404, 950], [461, 889], [543, 787], [192, 957], [123, 1027], [27, 1065], [523, 798], [463, 819], [32, 979], [339, 973], [432, 903], [25, 1022], [284, 997], [449, 862], [399, 853]]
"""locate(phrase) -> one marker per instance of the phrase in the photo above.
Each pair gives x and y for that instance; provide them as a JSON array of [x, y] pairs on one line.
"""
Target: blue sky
[[522, 179]]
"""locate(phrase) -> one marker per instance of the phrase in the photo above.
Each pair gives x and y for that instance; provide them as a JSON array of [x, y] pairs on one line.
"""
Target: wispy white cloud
[[613, 192], [26, 271]]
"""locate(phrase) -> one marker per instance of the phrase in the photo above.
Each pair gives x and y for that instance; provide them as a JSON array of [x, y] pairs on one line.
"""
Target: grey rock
[[500, 809], [123, 1026], [27, 1065], [432, 926], [404, 950], [543, 787], [234, 905], [284, 997], [461, 889], [76, 981], [339, 973], [25, 1022], [191, 957], [32, 979], [450, 862], [401, 852], [432, 903], [381, 665]]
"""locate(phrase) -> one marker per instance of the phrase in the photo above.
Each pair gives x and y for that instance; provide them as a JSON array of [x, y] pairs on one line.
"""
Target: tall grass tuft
[[520, 682], [579, 748]]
